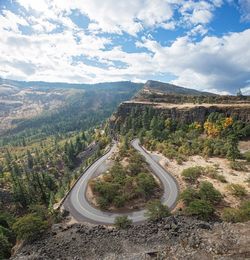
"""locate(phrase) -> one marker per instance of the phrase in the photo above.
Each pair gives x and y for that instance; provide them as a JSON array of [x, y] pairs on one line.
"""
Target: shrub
[[231, 215], [192, 174], [220, 178], [247, 156], [238, 166], [156, 210], [5, 247], [212, 173], [119, 201], [40, 210], [207, 192], [146, 184], [188, 195], [29, 227], [241, 214], [102, 202], [122, 222], [237, 190], [200, 208]]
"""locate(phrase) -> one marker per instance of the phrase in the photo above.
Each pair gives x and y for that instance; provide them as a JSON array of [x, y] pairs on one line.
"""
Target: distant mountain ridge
[[167, 88], [61, 85], [150, 85]]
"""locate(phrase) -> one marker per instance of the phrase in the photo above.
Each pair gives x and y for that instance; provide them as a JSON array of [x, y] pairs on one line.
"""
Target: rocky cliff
[[176, 237], [182, 113]]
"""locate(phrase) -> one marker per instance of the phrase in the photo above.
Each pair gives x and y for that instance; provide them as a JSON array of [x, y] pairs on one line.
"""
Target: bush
[[231, 215], [238, 166], [212, 173], [220, 178], [29, 227], [188, 195], [146, 184], [192, 174], [39, 210], [241, 214], [5, 247], [207, 192], [247, 156], [102, 202], [122, 222], [156, 210], [200, 208], [237, 190], [119, 201]]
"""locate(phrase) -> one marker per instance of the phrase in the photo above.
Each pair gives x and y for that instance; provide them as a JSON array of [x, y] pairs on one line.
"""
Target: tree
[[188, 195], [5, 247], [191, 174], [201, 208], [207, 192], [156, 210], [146, 184], [30, 160], [232, 148], [29, 227], [239, 93], [122, 222]]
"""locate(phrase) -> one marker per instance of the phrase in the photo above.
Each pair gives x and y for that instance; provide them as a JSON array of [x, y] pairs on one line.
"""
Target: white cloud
[[58, 50], [246, 90], [198, 29], [11, 21], [198, 12], [221, 63], [245, 9]]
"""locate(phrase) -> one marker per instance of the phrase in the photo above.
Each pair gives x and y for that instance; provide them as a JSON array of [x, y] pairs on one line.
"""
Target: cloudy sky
[[198, 44]]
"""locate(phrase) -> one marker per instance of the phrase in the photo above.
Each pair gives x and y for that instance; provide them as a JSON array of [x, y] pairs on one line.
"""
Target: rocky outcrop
[[176, 237], [181, 113]]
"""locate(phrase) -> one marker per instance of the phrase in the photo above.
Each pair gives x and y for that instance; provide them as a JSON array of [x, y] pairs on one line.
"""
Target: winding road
[[78, 206]]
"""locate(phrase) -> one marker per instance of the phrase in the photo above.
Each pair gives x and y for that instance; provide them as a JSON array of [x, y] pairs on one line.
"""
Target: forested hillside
[[59, 110], [50, 134]]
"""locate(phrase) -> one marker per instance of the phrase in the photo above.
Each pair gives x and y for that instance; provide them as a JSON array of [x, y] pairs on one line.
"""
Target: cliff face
[[182, 113]]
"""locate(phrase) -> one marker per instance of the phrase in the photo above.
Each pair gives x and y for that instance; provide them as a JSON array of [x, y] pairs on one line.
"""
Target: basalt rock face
[[180, 113], [176, 237]]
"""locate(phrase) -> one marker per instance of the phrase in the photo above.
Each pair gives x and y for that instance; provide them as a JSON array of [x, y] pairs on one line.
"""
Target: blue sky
[[198, 44]]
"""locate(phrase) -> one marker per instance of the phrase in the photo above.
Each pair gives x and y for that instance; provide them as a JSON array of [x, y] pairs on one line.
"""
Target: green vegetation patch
[[238, 166], [241, 214], [237, 190], [191, 174], [156, 210], [217, 136], [122, 222], [126, 186], [201, 202]]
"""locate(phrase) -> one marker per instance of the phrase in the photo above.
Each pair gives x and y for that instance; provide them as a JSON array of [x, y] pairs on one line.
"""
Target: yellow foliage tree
[[211, 129], [228, 121]]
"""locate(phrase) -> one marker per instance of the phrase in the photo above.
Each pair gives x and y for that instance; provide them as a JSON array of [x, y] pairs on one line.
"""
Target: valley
[[20, 104], [121, 154]]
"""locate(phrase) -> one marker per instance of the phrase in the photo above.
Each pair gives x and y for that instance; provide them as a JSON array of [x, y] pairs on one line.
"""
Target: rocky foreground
[[176, 237]]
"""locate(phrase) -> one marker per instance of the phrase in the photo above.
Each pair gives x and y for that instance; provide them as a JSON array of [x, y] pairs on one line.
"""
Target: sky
[[197, 44]]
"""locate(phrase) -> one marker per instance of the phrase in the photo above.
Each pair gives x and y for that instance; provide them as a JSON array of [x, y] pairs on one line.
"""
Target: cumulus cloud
[[214, 62], [57, 49], [245, 10]]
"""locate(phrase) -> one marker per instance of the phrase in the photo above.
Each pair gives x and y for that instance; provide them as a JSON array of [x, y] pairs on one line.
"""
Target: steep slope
[[172, 238]]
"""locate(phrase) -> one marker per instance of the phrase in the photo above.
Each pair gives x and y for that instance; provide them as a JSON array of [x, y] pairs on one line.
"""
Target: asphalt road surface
[[78, 206]]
